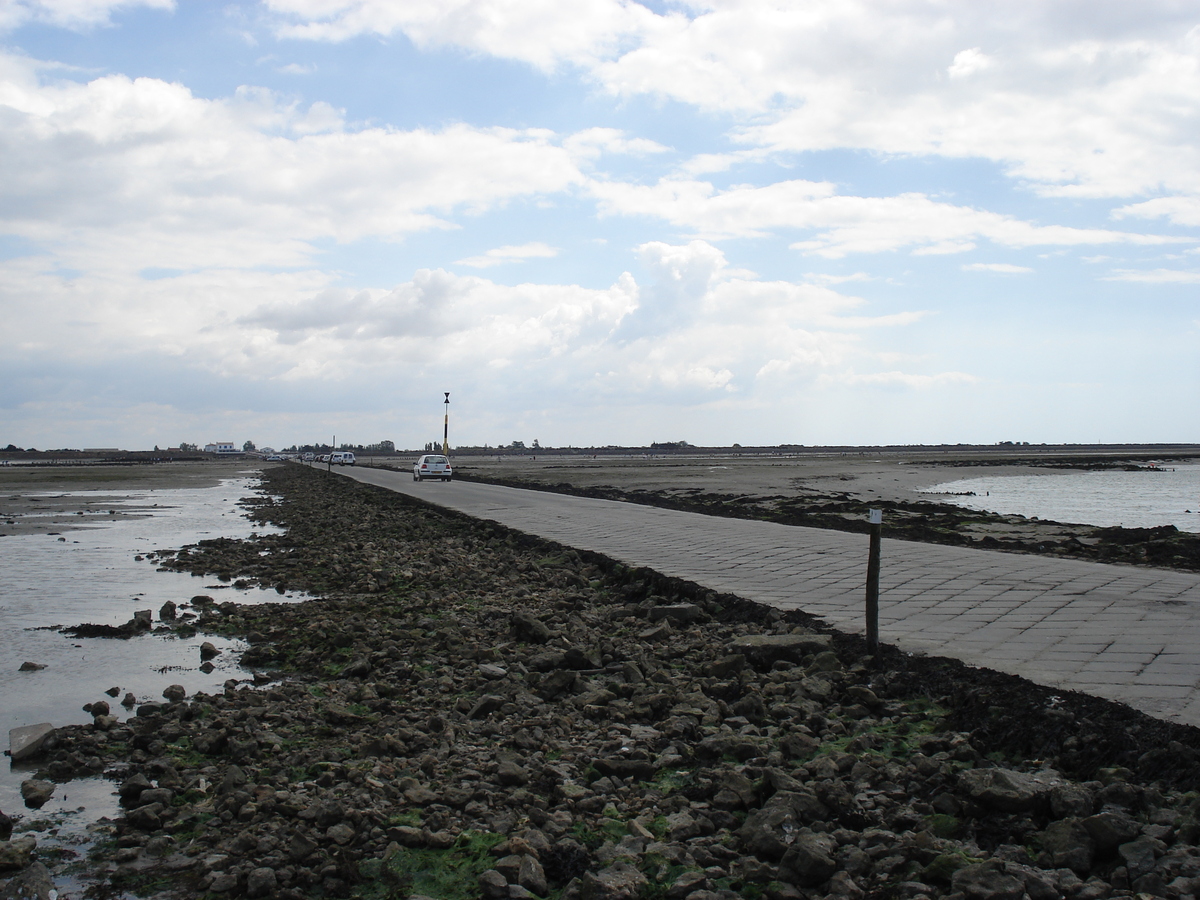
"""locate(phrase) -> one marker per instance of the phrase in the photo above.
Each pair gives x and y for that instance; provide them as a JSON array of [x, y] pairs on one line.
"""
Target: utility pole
[[446, 427], [329, 459]]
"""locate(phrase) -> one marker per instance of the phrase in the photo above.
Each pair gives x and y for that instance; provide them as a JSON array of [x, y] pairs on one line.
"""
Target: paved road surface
[[1121, 632]]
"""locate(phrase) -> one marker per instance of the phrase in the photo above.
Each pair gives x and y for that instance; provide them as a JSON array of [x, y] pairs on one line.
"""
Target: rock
[[34, 883], [128, 701], [113, 691], [637, 769], [1004, 789], [29, 741], [766, 649], [131, 788], [168, 612], [809, 860], [261, 882], [1138, 857], [143, 620], [485, 706], [146, 818], [509, 774], [16, 854], [492, 672], [493, 885], [6, 827], [620, 881], [1111, 828], [31, 667], [99, 708], [1067, 844], [679, 613], [726, 666], [988, 881], [35, 793], [208, 650], [174, 693], [360, 667], [341, 834], [529, 628], [532, 877]]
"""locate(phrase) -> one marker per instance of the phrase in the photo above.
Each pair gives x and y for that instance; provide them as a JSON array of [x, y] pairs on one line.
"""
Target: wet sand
[[58, 498], [892, 476]]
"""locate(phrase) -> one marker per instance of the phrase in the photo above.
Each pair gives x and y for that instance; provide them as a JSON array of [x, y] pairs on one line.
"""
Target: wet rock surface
[[469, 712]]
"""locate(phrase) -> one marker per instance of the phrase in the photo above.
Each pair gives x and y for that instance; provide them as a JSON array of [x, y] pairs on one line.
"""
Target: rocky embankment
[[472, 713]]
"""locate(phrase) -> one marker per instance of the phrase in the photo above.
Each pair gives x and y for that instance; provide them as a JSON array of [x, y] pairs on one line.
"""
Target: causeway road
[[1126, 633]]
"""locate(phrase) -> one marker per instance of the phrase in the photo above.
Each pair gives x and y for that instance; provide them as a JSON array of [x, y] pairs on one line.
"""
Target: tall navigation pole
[[446, 427]]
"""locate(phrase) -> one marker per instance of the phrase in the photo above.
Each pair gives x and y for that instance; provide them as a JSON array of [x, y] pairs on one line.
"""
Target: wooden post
[[876, 520]]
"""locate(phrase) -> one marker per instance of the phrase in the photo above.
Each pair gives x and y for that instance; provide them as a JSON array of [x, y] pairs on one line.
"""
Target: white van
[[342, 458]]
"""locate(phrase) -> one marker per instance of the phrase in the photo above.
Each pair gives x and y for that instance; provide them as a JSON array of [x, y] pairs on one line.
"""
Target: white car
[[342, 458], [432, 467]]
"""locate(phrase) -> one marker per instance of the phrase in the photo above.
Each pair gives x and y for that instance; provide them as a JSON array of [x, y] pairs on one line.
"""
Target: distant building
[[221, 447]]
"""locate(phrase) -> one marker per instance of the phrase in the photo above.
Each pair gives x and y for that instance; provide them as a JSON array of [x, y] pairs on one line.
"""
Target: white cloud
[[968, 62], [843, 224], [902, 379], [1095, 102], [592, 142], [1003, 268], [139, 172], [75, 14], [542, 33], [1154, 276], [500, 255]]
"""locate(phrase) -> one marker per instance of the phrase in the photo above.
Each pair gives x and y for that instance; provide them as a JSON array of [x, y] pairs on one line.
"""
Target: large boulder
[[28, 741], [16, 854], [35, 792], [33, 883]]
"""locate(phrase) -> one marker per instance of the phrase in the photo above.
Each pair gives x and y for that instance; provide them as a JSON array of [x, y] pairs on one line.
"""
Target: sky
[[599, 222]]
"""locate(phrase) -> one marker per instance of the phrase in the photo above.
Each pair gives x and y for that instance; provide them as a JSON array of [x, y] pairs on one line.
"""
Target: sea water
[[93, 575], [1146, 498]]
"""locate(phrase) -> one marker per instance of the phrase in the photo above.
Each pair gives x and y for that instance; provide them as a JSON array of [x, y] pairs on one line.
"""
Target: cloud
[[74, 14], [592, 142], [902, 379], [140, 172], [1003, 268], [842, 224], [1154, 276], [542, 33], [1095, 102], [500, 255], [968, 62]]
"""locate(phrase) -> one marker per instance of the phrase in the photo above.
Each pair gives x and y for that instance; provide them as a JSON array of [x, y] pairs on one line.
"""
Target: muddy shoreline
[[470, 712]]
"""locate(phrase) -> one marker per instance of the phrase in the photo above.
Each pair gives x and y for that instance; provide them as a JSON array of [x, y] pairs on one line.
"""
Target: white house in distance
[[221, 447]]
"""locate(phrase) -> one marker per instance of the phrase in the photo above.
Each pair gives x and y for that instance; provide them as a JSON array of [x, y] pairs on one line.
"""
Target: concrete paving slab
[[1067, 623]]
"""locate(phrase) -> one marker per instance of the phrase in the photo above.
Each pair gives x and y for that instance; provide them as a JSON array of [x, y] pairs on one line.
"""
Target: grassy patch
[[451, 874]]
